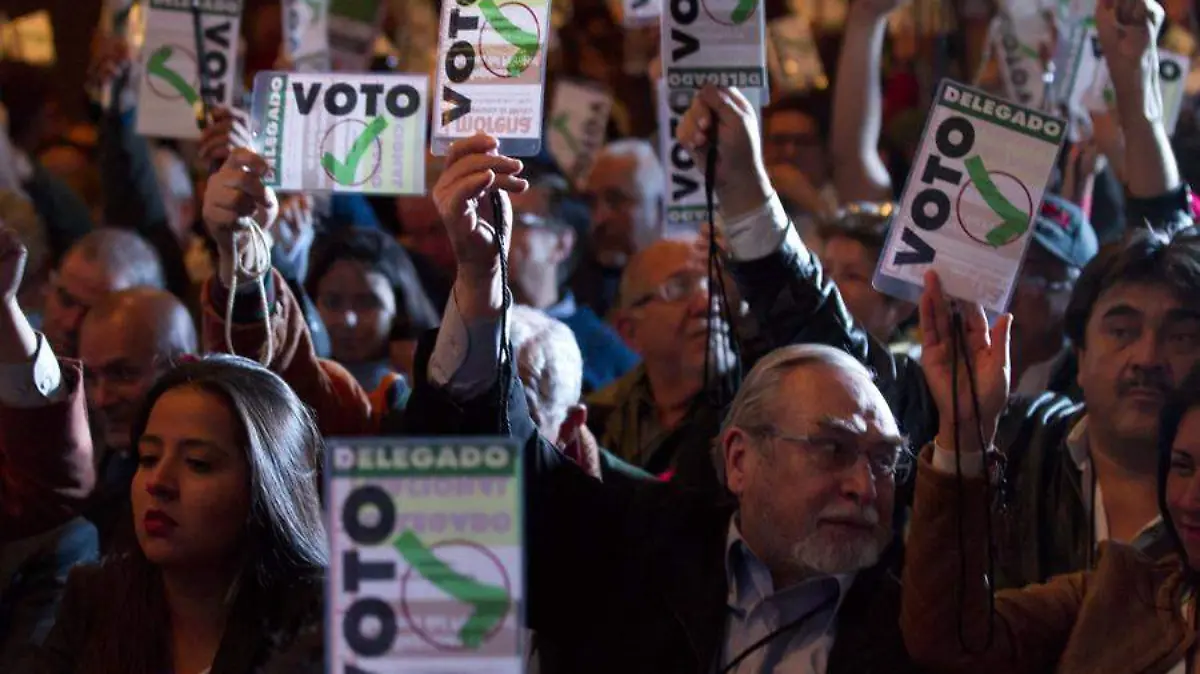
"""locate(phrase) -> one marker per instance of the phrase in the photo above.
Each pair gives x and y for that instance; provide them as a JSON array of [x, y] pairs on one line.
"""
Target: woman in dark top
[[223, 559]]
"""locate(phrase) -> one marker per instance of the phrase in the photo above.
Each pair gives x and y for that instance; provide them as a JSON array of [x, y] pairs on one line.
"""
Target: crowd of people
[[769, 467]]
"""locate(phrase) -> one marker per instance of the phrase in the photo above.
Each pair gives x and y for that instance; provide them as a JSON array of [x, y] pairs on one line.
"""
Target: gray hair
[[549, 365], [124, 254], [650, 174], [752, 406]]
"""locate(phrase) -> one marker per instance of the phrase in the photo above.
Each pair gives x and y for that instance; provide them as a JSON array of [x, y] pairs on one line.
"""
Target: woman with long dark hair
[[223, 560]]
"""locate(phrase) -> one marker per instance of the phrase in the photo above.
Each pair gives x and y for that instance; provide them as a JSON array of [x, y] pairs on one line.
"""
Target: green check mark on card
[[525, 42], [343, 172], [490, 601], [1014, 220], [743, 10], [157, 66]]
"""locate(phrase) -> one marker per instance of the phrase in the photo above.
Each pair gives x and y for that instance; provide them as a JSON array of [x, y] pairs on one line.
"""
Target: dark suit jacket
[[629, 576]]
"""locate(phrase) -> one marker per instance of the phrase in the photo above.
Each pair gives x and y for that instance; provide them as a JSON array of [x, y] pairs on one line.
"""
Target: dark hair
[[816, 104], [285, 543], [1184, 398], [1143, 256], [25, 90], [379, 253], [864, 222]]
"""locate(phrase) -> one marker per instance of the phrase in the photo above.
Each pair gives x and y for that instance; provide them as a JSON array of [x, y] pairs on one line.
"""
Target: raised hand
[[475, 169], [988, 353], [1128, 29], [234, 192], [110, 58], [741, 180], [228, 130], [12, 264]]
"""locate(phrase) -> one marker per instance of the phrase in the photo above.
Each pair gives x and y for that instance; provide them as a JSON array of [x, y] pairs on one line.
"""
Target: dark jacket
[[1045, 530], [33, 573], [629, 576], [265, 628]]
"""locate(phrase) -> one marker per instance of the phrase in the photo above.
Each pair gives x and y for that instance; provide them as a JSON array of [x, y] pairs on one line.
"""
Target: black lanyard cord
[[775, 633]]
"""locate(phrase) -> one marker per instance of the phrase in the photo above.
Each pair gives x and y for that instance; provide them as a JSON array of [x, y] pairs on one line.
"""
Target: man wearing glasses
[[648, 415]]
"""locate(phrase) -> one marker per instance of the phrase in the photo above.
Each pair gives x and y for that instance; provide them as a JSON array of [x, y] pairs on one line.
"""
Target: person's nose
[[163, 482], [858, 482], [1147, 352], [102, 392]]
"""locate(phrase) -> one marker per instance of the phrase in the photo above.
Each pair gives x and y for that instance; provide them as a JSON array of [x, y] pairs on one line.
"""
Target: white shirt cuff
[[944, 460], [762, 232], [34, 383], [466, 358]]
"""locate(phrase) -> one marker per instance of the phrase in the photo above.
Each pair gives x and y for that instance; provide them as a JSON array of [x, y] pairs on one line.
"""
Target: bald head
[[123, 256], [154, 317], [655, 264], [127, 340]]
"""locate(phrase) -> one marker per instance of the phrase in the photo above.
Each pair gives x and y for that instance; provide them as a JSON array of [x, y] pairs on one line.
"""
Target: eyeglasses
[[835, 455], [678, 287], [1042, 284]]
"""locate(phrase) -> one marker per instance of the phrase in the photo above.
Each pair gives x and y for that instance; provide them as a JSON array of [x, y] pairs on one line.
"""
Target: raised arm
[[858, 171], [793, 300], [46, 469], [1031, 626], [236, 191]]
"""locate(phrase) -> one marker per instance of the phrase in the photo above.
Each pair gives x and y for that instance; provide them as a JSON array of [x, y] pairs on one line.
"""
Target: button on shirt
[[755, 610]]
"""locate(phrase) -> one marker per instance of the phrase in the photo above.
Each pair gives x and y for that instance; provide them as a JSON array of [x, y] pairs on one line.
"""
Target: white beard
[[838, 554]]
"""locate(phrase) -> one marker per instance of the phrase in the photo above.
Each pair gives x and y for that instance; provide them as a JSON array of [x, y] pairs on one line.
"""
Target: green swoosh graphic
[[743, 10], [490, 601], [526, 43], [559, 124], [1028, 51], [1015, 221], [157, 66]]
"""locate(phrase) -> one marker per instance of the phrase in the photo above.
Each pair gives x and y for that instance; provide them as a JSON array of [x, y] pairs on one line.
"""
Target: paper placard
[[685, 208], [169, 90], [28, 38], [792, 55], [1173, 70], [306, 34], [344, 133], [718, 42], [969, 203], [353, 25], [1018, 44], [576, 128], [426, 570], [491, 73], [638, 13], [1073, 43]]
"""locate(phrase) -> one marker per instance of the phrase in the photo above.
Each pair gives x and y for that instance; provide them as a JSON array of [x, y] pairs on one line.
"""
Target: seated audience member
[[221, 567], [103, 262], [371, 301], [850, 247], [126, 343], [18, 216], [795, 129], [543, 248], [625, 189], [681, 581], [1063, 244], [647, 415], [549, 367], [950, 618], [1132, 320], [46, 473]]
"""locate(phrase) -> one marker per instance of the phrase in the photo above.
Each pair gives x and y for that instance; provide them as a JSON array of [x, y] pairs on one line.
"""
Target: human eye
[[199, 465], [1182, 464]]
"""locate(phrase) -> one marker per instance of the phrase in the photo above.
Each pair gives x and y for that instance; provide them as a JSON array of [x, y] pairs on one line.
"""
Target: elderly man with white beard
[[787, 573]]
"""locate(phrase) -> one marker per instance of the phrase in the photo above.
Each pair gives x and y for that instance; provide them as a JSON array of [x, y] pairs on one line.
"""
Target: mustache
[[1154, 379], [868, 515]]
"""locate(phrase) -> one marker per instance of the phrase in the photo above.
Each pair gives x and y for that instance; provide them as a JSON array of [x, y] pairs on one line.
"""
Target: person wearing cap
[[542, 256], [850, 246], [1063, 243]]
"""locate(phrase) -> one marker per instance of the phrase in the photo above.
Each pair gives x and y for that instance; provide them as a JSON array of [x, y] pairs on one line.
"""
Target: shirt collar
[[1077, 444], [749, 580], [564, 308]]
